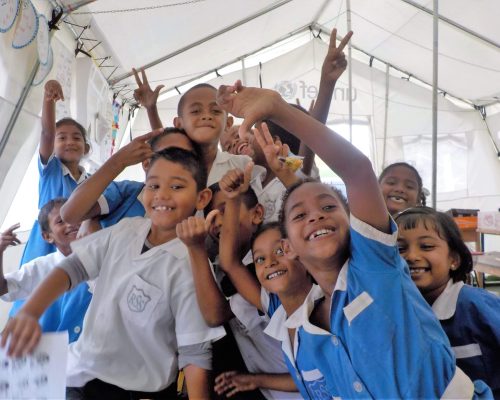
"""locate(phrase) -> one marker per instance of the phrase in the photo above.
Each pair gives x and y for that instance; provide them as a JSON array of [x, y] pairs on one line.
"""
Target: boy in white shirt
[[68, 311], [144, 310]]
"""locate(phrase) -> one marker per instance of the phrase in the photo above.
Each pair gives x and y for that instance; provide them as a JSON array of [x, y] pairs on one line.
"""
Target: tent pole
[[258, 14], [395, 67], [386, 114], [349, 63], [435, 61], [454, 24], [19, 106]]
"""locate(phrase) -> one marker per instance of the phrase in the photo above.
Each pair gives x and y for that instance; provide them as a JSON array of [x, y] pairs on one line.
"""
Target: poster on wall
[[8, 13], [44, 69], [64, 61], [26, 25], [43, 40]]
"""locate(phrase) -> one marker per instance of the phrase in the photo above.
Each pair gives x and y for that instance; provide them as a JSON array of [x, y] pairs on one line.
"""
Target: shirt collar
[[341, 283], [445, 305], [83, 175], [174, 247]]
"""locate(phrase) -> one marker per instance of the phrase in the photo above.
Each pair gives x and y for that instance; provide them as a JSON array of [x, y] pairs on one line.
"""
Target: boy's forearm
[[154, 117], [82, 204], [320, 113], [213, 305], [282, 382], [56, 283], [230, 260], [197, 382]]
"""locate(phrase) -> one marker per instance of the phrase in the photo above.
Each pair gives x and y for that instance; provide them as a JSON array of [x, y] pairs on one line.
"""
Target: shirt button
[[358, 387], [335, 340], [77, 329]]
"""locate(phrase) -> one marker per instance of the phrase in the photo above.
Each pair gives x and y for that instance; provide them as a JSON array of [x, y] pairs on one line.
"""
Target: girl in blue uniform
[[62, 146], [439, 262], [373, 336]]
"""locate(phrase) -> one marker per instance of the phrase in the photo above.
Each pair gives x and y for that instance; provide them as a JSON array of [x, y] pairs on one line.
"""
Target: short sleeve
[[372, 249], [53, 164], [22, 282], [113, 196], [190, 327], [91, 250]]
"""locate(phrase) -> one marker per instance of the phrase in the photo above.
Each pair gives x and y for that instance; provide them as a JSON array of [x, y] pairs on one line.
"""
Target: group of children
[[322, 296]]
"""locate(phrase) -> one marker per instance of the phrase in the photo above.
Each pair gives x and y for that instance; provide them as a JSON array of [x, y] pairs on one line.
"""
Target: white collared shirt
[[144, 308]]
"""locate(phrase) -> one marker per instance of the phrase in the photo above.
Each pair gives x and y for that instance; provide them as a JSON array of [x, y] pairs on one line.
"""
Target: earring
[[453, 267]]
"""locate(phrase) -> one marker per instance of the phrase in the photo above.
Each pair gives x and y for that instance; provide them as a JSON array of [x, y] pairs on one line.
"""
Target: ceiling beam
[[205, 39], [454, 24]]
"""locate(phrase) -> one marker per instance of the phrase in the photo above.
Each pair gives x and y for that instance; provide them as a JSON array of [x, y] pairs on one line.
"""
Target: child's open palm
[[9, 238]]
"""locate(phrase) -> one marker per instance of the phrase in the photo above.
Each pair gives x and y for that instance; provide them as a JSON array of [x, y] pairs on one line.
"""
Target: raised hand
[[335, 62], [24, 332], [53, 91], [232, 382], [252, 104], [144, 95], [193, 231], [137, 150], [9, 238], [236, 181]]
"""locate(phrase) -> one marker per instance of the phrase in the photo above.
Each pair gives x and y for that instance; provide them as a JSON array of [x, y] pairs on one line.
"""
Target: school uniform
[[121, 199], [55, 181], [471, 319], [307, 377], [225, 162], [384, 340], [67, 312], [143, 310]]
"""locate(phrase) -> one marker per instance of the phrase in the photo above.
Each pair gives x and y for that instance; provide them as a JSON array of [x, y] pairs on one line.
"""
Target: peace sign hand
[[335, 62], [144, 95]]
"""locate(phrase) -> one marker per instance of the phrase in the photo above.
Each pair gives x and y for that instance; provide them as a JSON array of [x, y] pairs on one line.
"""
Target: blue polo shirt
[[55, 181], [384, 340], [120, 200], [307, 377], [471, 318]]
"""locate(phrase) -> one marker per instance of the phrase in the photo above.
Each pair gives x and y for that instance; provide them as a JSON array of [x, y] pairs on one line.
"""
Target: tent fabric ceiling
[[391, 30]]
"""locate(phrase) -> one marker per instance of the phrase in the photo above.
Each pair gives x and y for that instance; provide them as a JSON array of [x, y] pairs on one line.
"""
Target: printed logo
[[137, 299], [286, 89]]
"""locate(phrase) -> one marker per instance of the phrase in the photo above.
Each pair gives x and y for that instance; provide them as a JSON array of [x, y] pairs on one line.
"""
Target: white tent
[[281, 45]]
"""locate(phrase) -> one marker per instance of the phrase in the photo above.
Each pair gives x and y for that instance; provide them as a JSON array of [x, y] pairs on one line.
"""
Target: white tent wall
[[468, 168]]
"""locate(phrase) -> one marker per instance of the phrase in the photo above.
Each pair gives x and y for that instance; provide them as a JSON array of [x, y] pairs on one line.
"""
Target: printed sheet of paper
[[40, 375]]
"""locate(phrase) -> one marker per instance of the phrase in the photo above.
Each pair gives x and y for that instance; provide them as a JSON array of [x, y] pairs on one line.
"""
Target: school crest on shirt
[[137, 299]]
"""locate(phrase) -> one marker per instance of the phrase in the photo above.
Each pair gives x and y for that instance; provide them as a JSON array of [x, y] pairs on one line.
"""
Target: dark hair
[[338, 193], [446, 228], [264, 228], [182, 100], [286, 137], [420, 194], [172, 130], [71, 121], [249, 198], [43, 215], [187, 160]]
